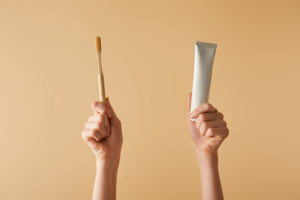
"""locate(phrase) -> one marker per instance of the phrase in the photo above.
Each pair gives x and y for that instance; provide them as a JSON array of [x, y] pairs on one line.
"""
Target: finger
[[211, 124], [99, 107], [101, 118], [98, 118], [203, 108], [110, 106], [204, 117], [114, 119], [97, 126], [89, 135], [221, 132], [93, 118]]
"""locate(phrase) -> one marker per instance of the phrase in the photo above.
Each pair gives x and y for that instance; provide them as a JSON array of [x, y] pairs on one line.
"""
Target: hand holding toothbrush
[[103, 133]]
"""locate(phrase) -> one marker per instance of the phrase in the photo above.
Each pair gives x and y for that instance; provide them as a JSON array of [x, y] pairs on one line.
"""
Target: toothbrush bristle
[[98, 43]]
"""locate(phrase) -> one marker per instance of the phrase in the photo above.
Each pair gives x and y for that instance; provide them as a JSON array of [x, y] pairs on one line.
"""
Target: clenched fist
[[209, 130], [103, 131]]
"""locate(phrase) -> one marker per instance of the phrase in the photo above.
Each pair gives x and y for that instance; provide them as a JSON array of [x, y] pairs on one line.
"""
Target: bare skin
[[103, 133], [208, 132]]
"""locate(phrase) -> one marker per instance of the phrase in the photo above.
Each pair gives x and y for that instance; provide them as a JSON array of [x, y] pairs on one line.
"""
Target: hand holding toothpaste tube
[[207, 126], [209, 130]]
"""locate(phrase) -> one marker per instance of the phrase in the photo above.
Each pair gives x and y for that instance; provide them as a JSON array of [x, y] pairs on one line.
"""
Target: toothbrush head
[[98, 43]]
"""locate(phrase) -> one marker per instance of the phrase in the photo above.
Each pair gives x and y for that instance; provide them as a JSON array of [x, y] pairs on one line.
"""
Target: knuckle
[[212, 131], [205, 125], [118, 122], [99, 126], [206, 106], [227, 131], [104, 110], [198, 124], [201, 117], [221, 115], [94, 133], [201, 132], [209, 132], [97, 117], [101, 116], [203, 128]]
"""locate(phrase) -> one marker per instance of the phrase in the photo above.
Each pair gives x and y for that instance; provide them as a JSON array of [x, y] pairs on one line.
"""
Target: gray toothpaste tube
[[204, 58]]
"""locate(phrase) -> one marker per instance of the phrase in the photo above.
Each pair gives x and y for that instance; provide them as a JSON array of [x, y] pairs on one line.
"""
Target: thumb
[[99, 107]]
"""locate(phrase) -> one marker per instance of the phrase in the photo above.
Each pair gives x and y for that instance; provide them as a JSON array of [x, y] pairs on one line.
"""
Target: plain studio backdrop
[[48, 81]]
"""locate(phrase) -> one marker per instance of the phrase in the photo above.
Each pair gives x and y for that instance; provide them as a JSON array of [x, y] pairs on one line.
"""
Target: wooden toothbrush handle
[[101, 88]]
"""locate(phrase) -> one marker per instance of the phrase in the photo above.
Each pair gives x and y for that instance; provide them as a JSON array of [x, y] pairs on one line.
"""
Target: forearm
[[210, 179], [106, 179]]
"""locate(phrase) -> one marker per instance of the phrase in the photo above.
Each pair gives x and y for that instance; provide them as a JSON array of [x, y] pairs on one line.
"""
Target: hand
[[209, 130], [103, 131]]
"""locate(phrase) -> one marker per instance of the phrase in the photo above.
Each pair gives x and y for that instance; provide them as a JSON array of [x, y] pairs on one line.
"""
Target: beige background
[[48, 80]]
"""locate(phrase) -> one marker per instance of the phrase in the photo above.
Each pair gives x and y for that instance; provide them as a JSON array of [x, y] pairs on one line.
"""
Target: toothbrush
[[100, 72]]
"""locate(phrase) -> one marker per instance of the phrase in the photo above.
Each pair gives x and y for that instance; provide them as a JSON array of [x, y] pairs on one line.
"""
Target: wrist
[[107, 161], [107, 169], [204, 151], [108, 156], [205, 157]]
